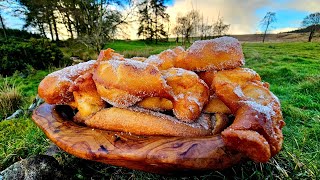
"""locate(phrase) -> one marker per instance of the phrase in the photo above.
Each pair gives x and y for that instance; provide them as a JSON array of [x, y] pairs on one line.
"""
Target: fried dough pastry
[[128, 80], [86, 98], [109, 54], [207, 77], [188, 91], [215, 54], [219, 122], [206, 55], [156, 104], [143, 122], [256, 109], [227, 85], [164, 60], [203, 86], [54, 88], [215, 105]]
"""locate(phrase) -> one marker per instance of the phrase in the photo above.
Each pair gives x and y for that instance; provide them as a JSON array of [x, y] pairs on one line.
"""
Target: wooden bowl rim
[[158, 154]]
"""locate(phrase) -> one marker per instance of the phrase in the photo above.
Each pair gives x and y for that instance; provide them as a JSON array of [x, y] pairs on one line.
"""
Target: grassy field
[[292, 69]]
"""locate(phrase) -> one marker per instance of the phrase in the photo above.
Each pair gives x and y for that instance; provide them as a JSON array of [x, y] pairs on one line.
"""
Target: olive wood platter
[[157, 154]]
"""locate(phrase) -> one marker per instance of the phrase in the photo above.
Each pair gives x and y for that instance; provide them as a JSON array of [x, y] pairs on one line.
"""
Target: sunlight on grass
[[10, 99]]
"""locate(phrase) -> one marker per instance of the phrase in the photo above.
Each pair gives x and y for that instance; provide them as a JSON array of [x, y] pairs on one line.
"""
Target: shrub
[[10, 99], [38, 53]]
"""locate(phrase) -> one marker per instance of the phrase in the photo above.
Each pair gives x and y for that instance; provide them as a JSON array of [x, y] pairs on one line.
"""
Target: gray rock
[[34, 168]]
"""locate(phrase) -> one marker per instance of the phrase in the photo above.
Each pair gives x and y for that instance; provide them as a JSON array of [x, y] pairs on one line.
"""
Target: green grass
[[139, 48], [20, 137], [292, 69]]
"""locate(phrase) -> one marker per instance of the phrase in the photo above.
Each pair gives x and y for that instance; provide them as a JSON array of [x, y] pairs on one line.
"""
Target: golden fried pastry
[[207, 77], [215, 54], [54, 88], [250, 143], [143, 122], [189, 92], [86, 98], [109, 54], [201, 103], [132, 79], [215, 105], [117, 97], [164, 60], [227, 85], [255, 108], [156, 104], [142, 59], [219, 123]]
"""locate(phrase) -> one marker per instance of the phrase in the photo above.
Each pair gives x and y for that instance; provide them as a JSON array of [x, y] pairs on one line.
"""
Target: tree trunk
[[4, 28], [265, 34], [50, 27], [156, 27], [311, 35], [70, 27], [41, 28], [55, 26]]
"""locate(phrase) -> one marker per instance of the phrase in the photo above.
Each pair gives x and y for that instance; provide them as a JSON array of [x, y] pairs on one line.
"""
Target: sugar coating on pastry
[[215, 54], [54, 88]]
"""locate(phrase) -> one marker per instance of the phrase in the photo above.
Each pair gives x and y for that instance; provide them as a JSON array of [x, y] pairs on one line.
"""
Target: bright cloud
[[245, 16]]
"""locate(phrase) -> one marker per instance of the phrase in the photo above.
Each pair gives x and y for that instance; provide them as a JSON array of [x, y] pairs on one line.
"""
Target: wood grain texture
[[158, 154]]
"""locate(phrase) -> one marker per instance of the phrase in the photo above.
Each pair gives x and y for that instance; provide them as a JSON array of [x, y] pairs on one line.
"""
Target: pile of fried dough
[[200, 91]]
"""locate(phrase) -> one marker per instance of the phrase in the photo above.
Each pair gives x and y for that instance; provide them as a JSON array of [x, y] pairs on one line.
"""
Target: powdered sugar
[[266, 110], [114, 63], [179, 96], [201, 122], [222, 44], [171, 72], [153, 59], [123, 102], [195, 100], [128, 62], [238, 91], [72, 72]]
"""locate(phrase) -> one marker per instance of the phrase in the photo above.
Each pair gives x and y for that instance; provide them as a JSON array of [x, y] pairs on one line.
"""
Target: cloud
[[240, 14], [311, 6], [243, 16], [281, 30]]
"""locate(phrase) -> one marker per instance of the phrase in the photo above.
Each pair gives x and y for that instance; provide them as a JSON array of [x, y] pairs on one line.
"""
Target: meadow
[[292, 69]]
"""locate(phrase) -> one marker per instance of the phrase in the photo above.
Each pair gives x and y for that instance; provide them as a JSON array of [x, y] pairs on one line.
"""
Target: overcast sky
[[243, 15]]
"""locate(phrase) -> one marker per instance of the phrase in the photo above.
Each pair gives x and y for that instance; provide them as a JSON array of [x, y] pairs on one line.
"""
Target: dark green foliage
[[304, 30], [37, 53], [18, 34]]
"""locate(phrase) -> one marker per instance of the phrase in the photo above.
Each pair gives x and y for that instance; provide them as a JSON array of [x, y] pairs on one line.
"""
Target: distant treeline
[[305, 30], [17, 34]]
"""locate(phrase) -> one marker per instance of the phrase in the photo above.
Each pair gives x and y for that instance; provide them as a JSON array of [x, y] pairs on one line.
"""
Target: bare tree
[[220, 28], [177, 31], [186, 25], [312, 21], [205, 29], [268, 19]]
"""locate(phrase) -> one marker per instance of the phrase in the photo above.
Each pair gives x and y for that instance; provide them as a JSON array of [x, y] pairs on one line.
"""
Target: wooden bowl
[[158, 154]]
